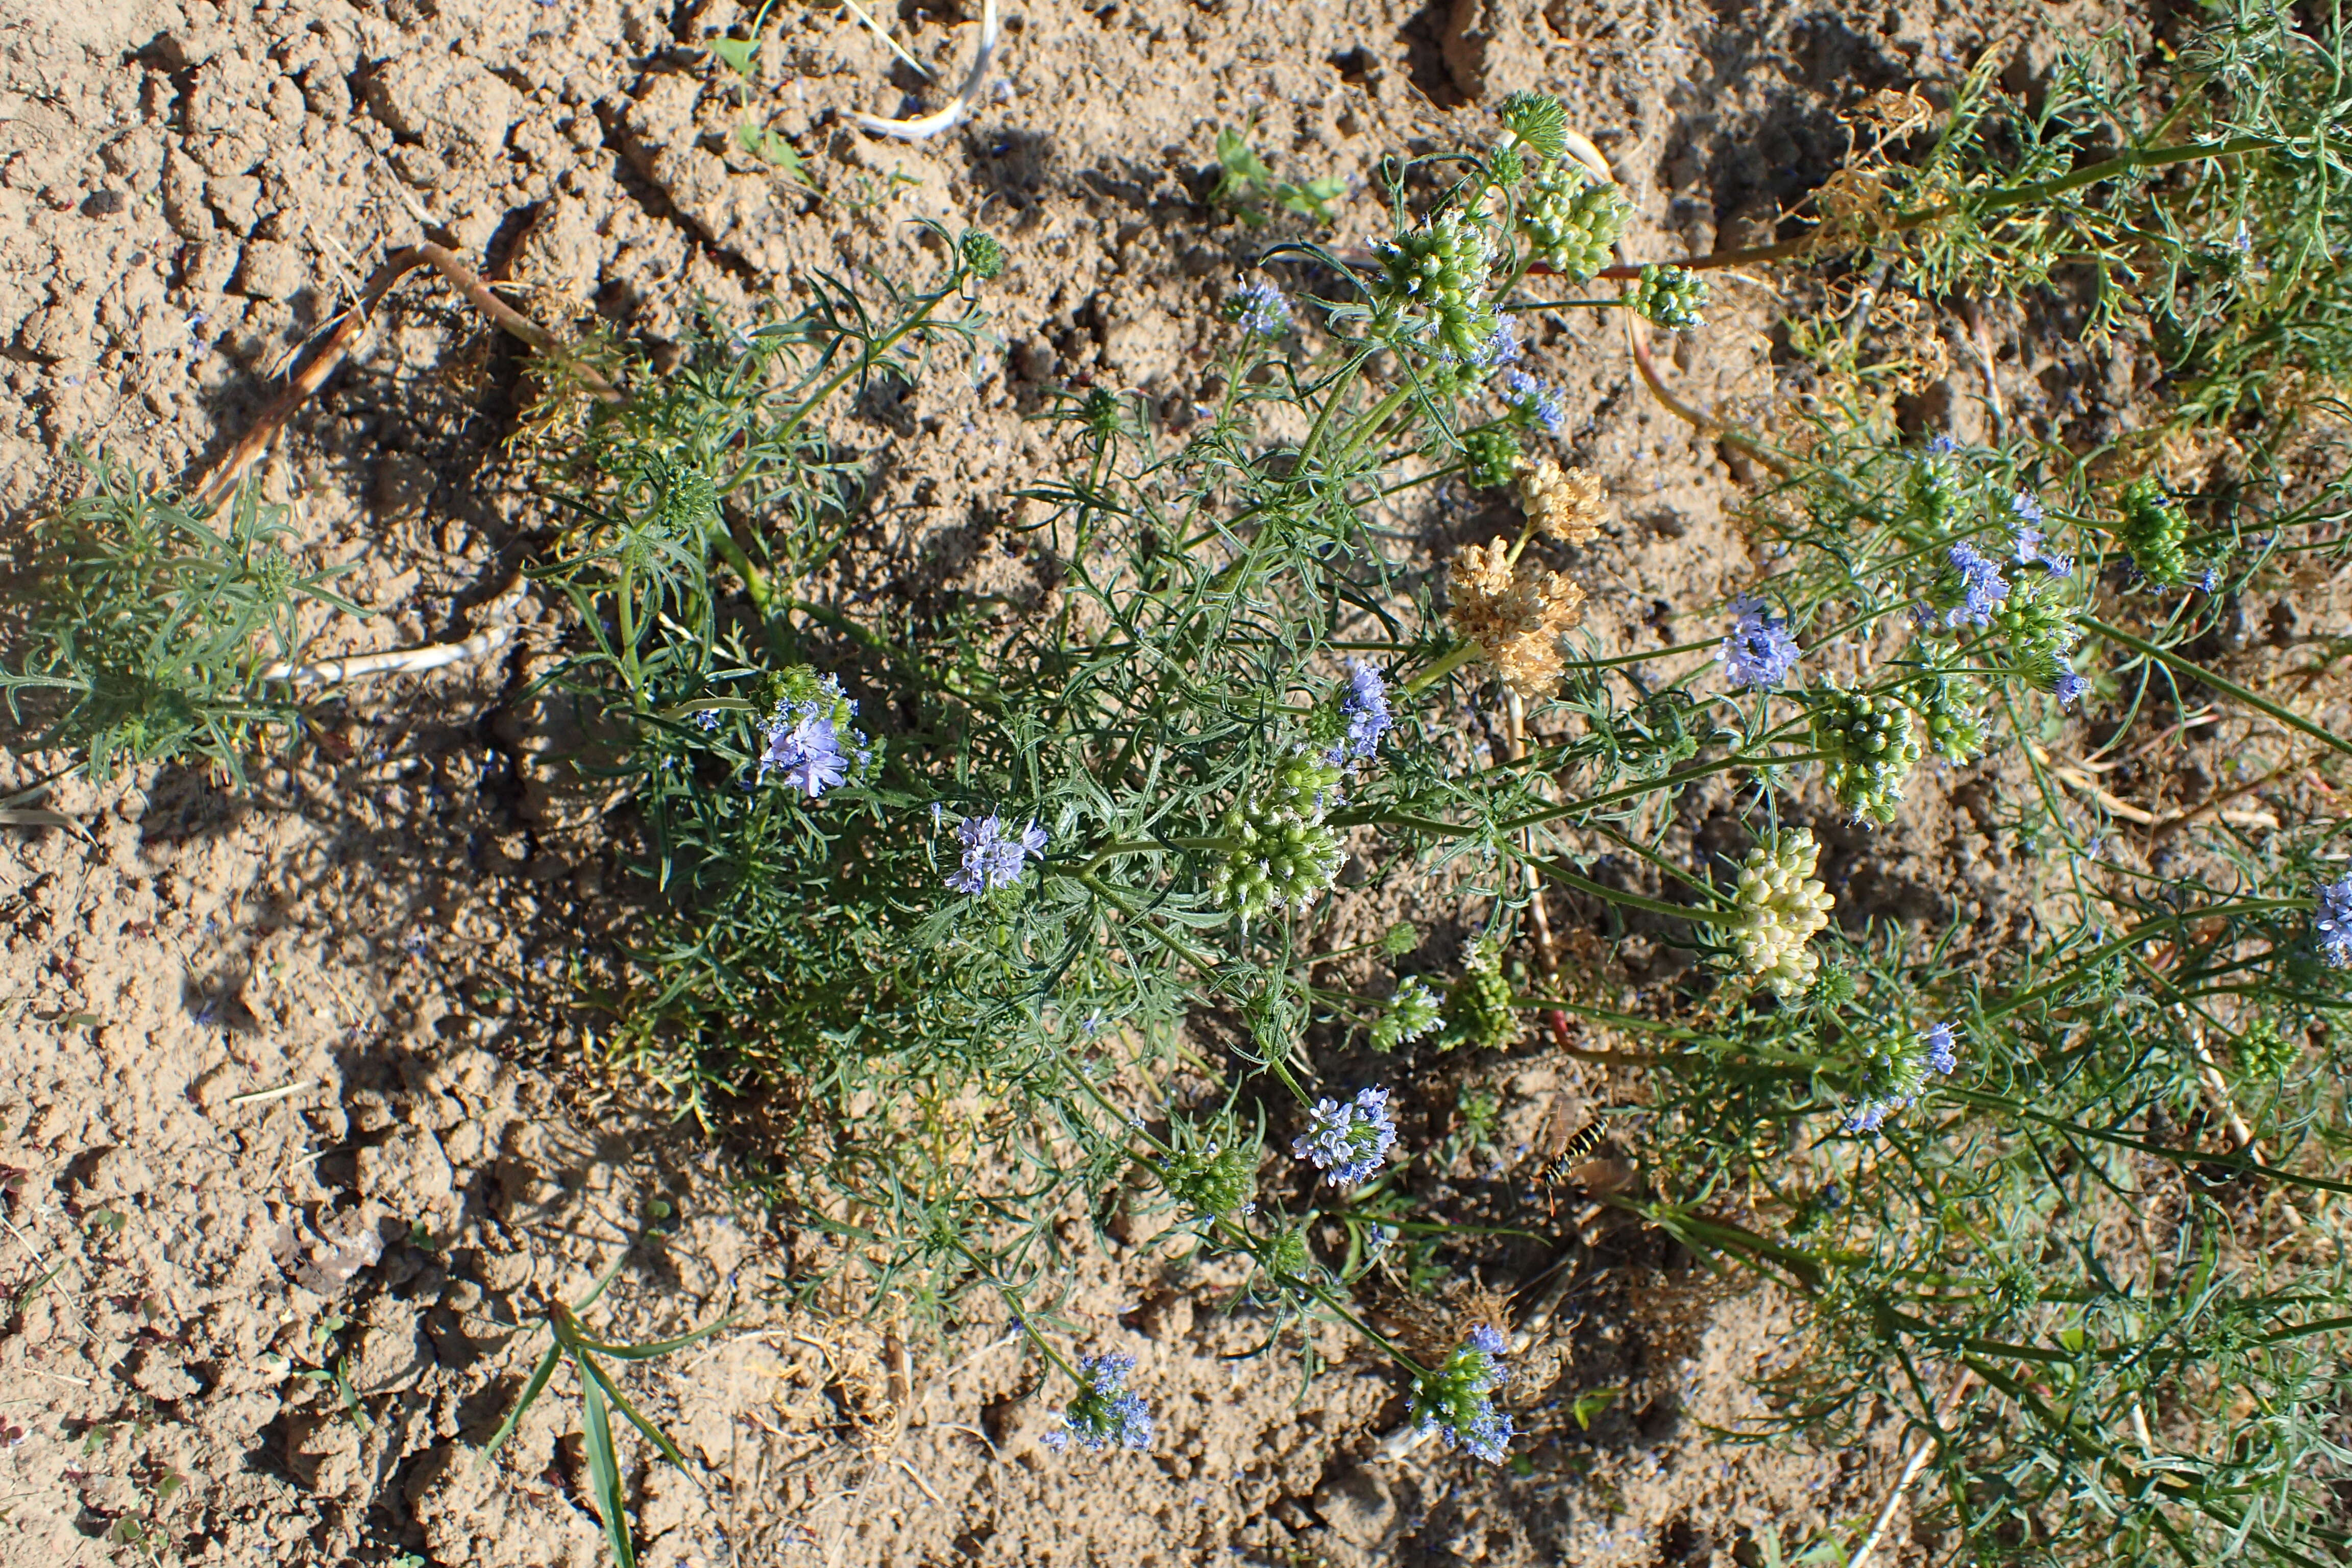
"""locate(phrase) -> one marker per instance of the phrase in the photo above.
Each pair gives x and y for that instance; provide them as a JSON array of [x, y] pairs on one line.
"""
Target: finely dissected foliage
[[977, 916], [948, 942], [152, 626]]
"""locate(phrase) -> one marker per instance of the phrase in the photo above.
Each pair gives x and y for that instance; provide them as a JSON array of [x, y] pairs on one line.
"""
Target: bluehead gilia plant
[[949, 898], [951, 891]]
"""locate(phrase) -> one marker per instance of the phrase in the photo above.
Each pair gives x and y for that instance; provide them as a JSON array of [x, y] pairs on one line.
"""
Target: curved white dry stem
[[966, 100], [1911, 1469], [1923, 1448], [392, 661], [1581, 148]]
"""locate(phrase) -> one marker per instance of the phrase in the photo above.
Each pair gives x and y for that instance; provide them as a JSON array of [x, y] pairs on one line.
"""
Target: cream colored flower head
[[1568, 504], [1781, 905], [1516, 616]]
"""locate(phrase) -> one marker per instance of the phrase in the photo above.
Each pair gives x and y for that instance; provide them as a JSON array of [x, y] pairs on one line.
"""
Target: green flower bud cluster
[[798, 690], [1412, 1012], [1491, 453], [274, 573], [1935, 492], [1288, 1255], [1442, 268], [2153, 531], [1478, 1009], [1671, 296], [684, 498], [1870, 750], [1215, 1176], [983, 257], [1780, 904], [1536, 119], [1953, 706], [2039, 633], [1282, 853], [1570, 220], [2264, 1051]]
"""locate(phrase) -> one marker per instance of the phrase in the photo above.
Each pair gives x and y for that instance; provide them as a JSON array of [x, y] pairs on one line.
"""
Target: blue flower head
[[1894, 1076], [2025, 540], [707, 718], [2070, 687], [1349, 1140], [810, 744], [1364, 710], [1104, 1412], [807, 756], [993, 857], [1943, 1054], [1500, 350], [2332, 923], [1979, 588], [1761, 650], [1260, 310], [1533, 400], [1457, 1403], [1942, 445]]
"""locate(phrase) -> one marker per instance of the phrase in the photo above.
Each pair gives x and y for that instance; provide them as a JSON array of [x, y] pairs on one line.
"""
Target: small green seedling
[[599, 1393], [1246, 186], [742, 56], [1589, 1404], [335, 1367]]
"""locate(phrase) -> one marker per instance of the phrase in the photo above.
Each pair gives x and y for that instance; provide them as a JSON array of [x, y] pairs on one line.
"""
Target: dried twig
[[1922, 1449], [395, 661], [966, 100], [216, 486]]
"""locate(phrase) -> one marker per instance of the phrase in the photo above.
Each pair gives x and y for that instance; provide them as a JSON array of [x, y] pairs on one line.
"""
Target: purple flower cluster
[[1105, 1412], [805, 744], [2070, 687], [1349, 1140], [1532, 397], [1260, 310], [2332, 922], [808, 756], [2026, 536], [1981, 587], [1898, 1076], [1456, 1401], [1365, 706], [1761, 650], [1943, 1051], [1500, 350], [992, 857]]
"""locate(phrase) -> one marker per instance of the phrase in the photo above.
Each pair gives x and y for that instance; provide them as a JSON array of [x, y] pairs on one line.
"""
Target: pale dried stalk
[[1516, 748], [395, 661], [1915, 1461], [216, 486], [966, 100]]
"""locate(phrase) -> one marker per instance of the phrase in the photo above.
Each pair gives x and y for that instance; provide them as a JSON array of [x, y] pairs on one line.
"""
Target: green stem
[[1985, 1101], [1462, 654], [1096, 885], [867, 358], [2123, 163], [1562, 874], [2198, 672], [2137, 933]]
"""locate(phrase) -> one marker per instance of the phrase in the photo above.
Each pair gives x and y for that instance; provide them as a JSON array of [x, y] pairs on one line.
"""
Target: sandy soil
[[287, 1074]]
